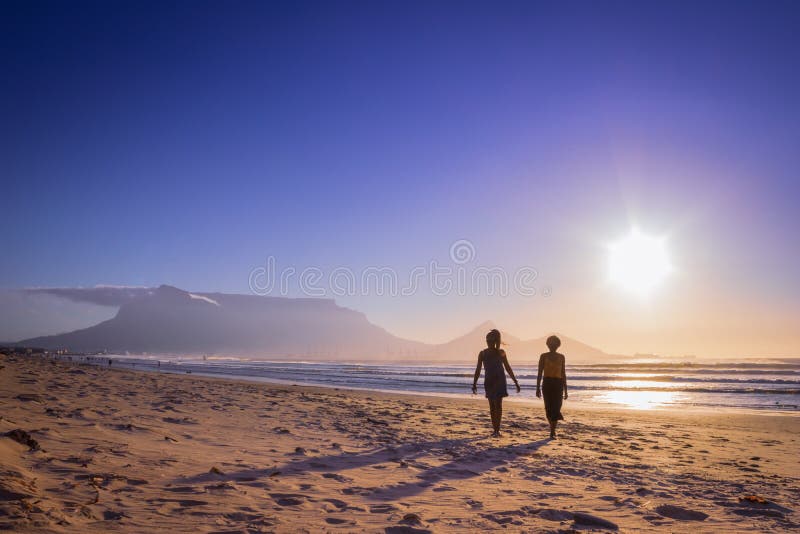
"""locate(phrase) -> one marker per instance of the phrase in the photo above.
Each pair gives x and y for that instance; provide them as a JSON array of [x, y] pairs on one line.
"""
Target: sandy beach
[[92, 449]]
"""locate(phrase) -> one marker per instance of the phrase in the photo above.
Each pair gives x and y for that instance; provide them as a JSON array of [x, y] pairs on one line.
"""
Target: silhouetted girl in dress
[[495, 363]]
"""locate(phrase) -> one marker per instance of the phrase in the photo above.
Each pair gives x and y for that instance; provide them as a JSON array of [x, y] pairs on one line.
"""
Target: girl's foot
[[552, 435], [496, 434]]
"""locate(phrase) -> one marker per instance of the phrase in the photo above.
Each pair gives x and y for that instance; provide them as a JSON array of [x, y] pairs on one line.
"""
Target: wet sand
[[110, 450]]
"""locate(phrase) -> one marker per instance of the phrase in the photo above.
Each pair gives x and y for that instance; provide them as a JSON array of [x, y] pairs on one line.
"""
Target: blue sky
[[182, 143]]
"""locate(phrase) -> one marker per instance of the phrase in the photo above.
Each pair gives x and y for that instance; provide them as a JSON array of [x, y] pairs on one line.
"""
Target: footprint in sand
[[221, 488], [474, 504], [183, 503], [288, 499], [30, 397], [181, 421], [505, 518], [337, 477], [680, 513], [338, 521], [184, 489], [110, 515], [405, 529], [357, 490], [383, 508], [242, 516], [338, 503]]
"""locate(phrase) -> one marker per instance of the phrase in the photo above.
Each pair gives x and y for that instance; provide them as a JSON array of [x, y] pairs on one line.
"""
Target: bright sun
[[638, 262]]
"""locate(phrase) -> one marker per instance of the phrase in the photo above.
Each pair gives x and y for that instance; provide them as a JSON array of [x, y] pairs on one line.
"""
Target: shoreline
[[580, 405], [131, 450], [427, 362], [576, 400]]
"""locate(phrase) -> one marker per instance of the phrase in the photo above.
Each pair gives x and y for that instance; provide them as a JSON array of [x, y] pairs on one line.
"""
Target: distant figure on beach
[[495, 363], [552, 366]]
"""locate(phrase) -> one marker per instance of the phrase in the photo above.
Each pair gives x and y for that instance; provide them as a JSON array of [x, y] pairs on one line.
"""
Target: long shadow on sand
[[469, 459], [475, 462]]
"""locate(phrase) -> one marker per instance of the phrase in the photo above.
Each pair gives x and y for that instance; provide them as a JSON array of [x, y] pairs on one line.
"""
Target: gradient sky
[[183, 143]]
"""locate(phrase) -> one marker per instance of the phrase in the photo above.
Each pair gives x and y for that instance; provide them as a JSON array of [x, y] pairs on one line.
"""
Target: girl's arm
[[477, 373], [564, 374], [539, 376], [510, 371]]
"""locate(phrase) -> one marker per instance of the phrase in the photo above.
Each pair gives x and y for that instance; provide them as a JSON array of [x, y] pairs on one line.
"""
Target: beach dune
[[93, 449]]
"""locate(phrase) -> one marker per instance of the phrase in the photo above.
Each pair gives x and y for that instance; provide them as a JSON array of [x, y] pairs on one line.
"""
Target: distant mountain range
[[473, 341], [173, 321]]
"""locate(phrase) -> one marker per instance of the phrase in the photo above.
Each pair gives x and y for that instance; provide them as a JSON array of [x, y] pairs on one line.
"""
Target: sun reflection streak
[[639, 400]]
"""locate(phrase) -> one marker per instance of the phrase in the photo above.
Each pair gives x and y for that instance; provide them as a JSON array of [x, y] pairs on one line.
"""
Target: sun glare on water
[[638, 263], [640, 400]]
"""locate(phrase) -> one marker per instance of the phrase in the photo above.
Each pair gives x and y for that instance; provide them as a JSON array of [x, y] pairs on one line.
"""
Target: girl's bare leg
[[496, 411], [499, 414]]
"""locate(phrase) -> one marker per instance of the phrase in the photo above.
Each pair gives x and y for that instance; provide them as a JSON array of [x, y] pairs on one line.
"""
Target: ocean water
[[744, 385]]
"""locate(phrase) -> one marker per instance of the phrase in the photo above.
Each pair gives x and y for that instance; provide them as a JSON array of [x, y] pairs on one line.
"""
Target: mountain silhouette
[[173, 321], [518, 350]]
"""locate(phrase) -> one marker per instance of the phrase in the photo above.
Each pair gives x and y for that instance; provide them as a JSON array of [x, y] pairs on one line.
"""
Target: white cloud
[[201, 297]]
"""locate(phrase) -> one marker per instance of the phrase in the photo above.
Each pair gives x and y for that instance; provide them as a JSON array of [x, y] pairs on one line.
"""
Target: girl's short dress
[[494, 382]]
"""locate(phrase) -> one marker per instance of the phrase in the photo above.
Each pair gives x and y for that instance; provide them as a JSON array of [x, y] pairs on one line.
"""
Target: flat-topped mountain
[[170, 320]]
